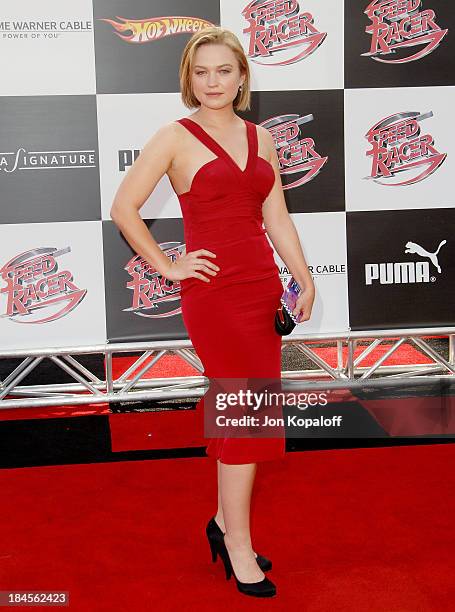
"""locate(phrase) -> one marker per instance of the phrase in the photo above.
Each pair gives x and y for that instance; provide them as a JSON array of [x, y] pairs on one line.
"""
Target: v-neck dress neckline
[[220, 151]]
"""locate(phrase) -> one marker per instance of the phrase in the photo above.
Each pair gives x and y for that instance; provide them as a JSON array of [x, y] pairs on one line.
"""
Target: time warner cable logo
[[278, 29], [297, 155], [37, 290], [39, 29], [400, 153], [401, 25]]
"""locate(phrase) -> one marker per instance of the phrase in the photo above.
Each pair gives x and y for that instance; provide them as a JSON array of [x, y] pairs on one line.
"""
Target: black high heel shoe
[[214, 532], [263, 588]]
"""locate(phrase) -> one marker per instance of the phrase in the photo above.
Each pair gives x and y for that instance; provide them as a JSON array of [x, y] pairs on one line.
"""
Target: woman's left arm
[[283, 234]]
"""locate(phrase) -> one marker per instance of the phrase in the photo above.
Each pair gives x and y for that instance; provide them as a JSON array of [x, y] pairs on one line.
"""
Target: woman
[[225, 173]]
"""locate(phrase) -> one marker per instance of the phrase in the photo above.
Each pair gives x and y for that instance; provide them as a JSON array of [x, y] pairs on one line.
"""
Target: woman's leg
[[219, 517], [236, 489]]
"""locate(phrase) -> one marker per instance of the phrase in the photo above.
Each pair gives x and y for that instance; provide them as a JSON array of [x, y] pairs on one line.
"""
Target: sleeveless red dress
[[230, 321]]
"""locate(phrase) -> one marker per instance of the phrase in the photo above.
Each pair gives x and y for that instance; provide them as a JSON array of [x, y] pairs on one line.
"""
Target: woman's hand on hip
[[191, 265]]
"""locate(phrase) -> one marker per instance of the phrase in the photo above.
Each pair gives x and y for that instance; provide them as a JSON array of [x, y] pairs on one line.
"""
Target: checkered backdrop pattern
[[358, 96]]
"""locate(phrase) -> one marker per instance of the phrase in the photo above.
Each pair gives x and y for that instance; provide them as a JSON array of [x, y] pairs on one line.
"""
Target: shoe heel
[[213, 550], [228, 573], [227, 567], [220, 548]]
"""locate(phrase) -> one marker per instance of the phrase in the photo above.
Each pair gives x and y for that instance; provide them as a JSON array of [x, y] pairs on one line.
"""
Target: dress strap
[[199, 132], [252, 140], [202, 135]]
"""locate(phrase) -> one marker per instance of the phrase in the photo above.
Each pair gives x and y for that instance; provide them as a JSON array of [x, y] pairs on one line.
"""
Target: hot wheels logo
[[152, 294], [276, 28], [400, 150], [296, 154], [37, 291], [400, 25], [154, 28]]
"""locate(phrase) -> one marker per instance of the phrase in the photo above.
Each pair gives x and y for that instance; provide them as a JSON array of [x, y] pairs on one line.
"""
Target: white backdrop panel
[[322, 69], [323, 239], [82, 264], [59, 59], [363, 109], [126, 122]]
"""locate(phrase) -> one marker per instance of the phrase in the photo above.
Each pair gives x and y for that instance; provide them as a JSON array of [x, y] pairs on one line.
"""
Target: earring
[[240, 88]]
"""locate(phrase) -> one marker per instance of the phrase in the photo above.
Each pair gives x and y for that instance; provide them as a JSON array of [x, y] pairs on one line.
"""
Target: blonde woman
[[225, 173]]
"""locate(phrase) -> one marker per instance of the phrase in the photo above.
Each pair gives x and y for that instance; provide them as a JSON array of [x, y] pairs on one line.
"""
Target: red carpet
[[351, 530], [405, 354]]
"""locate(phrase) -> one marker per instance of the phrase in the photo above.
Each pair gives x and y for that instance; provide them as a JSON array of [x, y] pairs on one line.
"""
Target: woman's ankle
[[236, 542], [219, 520]]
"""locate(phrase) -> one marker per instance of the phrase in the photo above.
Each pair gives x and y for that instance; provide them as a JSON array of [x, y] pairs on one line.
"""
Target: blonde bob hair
[[216, 35]]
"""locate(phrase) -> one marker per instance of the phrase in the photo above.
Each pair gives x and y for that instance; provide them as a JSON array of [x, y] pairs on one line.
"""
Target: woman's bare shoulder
[[171, 138], [169, 131], [263, 132], [167, 136], [265, 139]]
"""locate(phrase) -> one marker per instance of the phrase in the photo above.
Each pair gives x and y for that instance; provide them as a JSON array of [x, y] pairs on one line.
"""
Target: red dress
[[230, 321]]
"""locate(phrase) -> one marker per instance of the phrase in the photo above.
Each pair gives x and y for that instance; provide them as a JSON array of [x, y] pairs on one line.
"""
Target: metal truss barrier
[[88, 388]]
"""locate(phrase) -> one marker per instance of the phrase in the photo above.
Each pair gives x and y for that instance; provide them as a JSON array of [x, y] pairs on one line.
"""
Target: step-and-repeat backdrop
[[359, 99]]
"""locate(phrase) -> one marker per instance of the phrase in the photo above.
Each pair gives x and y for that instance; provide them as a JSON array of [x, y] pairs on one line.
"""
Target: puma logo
[[413, 247]]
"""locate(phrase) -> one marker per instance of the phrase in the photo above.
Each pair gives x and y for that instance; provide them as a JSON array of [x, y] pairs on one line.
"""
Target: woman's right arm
[[139, 182]]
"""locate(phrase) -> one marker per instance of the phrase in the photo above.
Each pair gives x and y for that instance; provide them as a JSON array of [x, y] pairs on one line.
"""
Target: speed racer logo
[[154, 296], [278, 29], [401, 28], [297, 154], [401, 154], [145, 30], [37, 291]]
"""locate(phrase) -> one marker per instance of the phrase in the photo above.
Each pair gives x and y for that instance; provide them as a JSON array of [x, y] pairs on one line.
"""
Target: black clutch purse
[[285, 321]]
